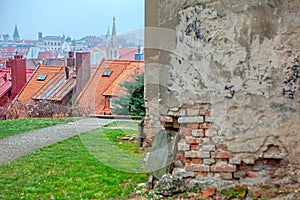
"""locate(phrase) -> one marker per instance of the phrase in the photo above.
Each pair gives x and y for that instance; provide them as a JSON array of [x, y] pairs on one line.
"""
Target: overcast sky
[[76, 18]]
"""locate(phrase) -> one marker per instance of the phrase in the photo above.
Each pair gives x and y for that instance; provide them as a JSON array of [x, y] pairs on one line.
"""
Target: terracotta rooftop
[[34, 85], [105, 82], [48, 54], [5, 86], [57, 88], [7, 52]]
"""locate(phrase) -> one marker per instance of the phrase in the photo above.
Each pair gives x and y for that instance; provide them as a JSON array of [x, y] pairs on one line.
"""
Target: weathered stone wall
[[240, 60]]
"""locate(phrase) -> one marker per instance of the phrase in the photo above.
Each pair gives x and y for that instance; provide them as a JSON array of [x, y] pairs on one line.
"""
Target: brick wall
[[199, 153]]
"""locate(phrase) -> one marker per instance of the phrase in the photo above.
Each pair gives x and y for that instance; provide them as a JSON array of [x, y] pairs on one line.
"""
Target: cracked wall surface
[[242, 57]]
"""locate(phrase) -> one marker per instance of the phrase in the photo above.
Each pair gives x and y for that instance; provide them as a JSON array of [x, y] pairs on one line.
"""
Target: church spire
[[108, 33], [114, 32], [16, 35], [113, 46]]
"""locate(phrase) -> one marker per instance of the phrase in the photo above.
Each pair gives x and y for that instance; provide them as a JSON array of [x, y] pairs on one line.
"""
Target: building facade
[[50, 42], [224, 75]]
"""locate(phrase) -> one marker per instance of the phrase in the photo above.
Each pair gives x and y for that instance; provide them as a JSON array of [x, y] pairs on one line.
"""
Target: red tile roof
[[33, 86], [127, 53], [5, 86], [47, 54], [57, 88], [7, 52], [93, 96]]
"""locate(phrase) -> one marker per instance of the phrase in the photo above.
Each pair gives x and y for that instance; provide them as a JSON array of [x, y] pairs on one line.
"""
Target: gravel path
[[22, 144]]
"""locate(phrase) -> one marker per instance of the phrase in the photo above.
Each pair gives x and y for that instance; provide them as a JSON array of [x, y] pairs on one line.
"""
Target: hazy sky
[[76, 18]]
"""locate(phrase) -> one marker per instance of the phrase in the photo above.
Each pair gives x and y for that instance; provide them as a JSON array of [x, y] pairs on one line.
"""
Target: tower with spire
[[112, 43], [16, 35]]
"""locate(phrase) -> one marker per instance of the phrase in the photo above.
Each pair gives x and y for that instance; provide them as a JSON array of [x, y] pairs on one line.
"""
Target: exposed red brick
[[207, 113], [197, 161], [185, 132], [192, 140], [252, 174], [223, 168], [194, 147], [245, 167], [222, 147], [239, 174], [167, 124], [201, 174], [221, 154], [226, 176], [184, 159], [176, 125], [197, 167], [273, 161], [205, 126], [192, 126], [207, 193]]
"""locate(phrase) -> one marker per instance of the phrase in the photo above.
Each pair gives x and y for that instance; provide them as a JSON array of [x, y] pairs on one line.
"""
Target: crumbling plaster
[[239, 56]]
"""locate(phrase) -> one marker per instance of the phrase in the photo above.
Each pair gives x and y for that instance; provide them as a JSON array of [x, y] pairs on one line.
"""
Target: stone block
[[187, 120], [179, 113], [239, 174], [197, 154], [223, 168], [183, 147], [205, 141], [208, 119], [185, 132], [226, 176], [183, 173], [197, 168], [207, 147], [198, 133], [209, 161], [211, 133], [166, 119], [192, 140], [178, 164], [235, 161]]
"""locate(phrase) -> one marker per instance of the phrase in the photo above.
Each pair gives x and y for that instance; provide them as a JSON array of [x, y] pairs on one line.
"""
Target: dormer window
[[42, 77], [107, 73]]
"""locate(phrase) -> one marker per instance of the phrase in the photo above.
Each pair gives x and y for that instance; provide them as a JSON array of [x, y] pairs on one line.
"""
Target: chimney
[[83, 70], [67, 73], [18, 74], [71, 60], [40, 36]]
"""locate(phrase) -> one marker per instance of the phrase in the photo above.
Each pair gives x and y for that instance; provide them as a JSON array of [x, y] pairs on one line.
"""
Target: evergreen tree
[[133, 102]]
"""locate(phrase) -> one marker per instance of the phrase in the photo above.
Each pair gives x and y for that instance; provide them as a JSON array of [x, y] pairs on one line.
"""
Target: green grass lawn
[[14, 127], [68, 170]]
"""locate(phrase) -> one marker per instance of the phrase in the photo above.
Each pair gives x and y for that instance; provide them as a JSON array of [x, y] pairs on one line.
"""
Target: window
[[107, 73], [42, 77]]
